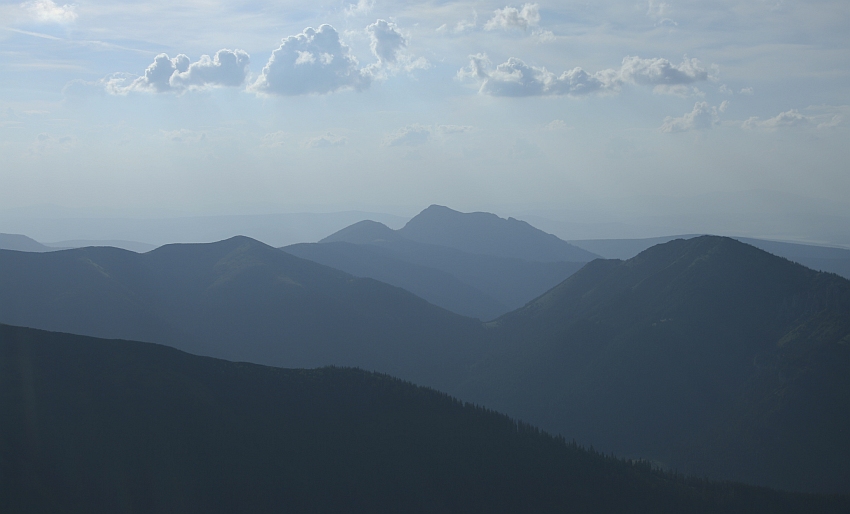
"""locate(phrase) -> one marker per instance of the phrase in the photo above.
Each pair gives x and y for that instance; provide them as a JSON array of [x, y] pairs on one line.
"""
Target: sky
[[562, 107]]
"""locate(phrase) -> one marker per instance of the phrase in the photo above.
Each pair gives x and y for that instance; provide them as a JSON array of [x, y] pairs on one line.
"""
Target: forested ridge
[[117, 426]]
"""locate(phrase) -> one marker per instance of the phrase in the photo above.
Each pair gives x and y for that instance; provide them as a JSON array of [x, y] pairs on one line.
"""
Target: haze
[[590, 120]]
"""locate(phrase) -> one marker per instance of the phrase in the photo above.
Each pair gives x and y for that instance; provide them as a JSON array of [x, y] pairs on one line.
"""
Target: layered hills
[[95, 426], [706, 355], [238, 299]]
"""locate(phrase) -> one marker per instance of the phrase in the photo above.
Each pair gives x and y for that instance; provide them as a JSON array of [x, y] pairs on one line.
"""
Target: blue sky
[[279, 106]]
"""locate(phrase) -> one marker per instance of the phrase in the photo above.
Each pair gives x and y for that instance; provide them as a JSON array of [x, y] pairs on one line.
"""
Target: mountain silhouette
[[706, 355], [104, 426], [237, 299], [488, 234]]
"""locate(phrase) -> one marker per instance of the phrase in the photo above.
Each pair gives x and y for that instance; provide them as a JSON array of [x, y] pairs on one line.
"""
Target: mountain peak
[[487, 233]]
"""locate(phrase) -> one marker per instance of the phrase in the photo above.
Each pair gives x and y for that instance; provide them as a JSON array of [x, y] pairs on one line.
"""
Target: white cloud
[[325, 141], [275, 139], [389, 45], [746, 91], [386, 41], [228, 68], [512, 18], [360, 8], [331, 67], [48, 11], [787, 119], [555, 125], [412, 135], [516, 78], [822, 117], [701, 117], [661, 72]]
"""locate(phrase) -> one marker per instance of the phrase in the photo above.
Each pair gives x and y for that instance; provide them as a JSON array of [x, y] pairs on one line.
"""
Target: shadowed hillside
[[706, 355], [96, 426]]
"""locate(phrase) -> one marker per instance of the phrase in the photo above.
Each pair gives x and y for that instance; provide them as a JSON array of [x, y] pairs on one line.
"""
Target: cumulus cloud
[[386, 41], [701, 117], [516, 78], [512, 18], [787, 119], [183, 136], [325, 141], [821, 117], [313, 62], [228, 68], [555, 125], [47, 11], [389, 46]]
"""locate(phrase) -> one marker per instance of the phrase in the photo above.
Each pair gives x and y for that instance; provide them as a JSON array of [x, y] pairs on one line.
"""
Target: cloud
[[389, 45], [361, 7], [412, 135], [746, 91], [555, 125], [47, 11], [313, 62], [516, 78], [45, 143], [183, 136], [822, 117], [228, 68], [661, 72], [512, 18], [326, 141], [452, 129], [701, 117], [787, 119], [386, 41]]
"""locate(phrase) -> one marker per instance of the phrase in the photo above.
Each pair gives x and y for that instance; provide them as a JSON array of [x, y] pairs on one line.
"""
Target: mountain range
[[94, 425], [705, 355]]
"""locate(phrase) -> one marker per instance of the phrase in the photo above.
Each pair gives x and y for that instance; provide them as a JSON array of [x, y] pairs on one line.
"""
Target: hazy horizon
[[612, 119]]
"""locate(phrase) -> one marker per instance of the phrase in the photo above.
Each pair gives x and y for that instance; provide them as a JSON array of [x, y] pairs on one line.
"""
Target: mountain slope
[[510, 283], [706, 355], [435, 285], [116, 426], [241, 300], [22, 243]]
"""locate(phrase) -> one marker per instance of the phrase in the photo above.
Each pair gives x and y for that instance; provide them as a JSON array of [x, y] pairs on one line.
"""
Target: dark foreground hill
[[242, 300], [94, 426], [705, 355]]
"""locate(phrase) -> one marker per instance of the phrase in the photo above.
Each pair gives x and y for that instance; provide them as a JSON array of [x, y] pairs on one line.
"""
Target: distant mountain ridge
[[237, 299], [102, 426], [476, 232], [22, 243]]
